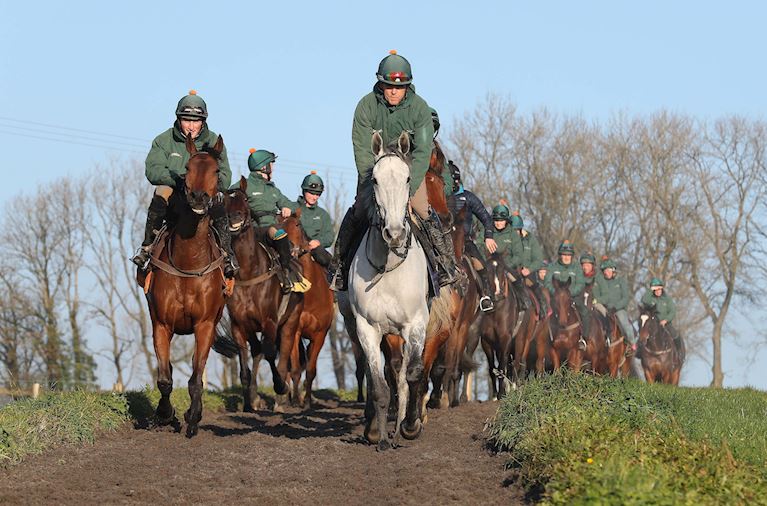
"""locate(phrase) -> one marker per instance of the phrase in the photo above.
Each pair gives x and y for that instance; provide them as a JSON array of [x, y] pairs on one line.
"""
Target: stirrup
[[230, 269], [582, 344], [142, 257], [486, 304]]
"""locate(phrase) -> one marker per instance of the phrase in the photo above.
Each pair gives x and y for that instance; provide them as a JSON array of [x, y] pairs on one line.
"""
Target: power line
[[71, 128]]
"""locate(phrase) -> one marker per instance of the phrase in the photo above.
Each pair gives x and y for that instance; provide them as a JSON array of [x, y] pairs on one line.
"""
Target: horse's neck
[[250, 255], [190, 249]]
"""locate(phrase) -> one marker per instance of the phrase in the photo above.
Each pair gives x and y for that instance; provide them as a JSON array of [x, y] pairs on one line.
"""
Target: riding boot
[[284, 274], [519, 290], [443, 246], [485, 302], [346, 233], [221, 225], [155, 217], [541, 300]]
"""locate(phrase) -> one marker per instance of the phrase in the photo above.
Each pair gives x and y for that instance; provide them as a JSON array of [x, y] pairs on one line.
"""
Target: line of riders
[[391, 108]]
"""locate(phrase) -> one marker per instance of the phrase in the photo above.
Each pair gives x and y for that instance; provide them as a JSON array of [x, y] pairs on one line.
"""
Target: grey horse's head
[[391, 187]]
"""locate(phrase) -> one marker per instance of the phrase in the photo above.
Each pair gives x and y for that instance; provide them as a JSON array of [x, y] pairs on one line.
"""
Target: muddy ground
[[315, 457]]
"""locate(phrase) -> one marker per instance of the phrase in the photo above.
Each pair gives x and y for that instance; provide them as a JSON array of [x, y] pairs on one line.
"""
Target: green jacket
[[562, 273], [265, 200], [589, 280], [412, 115], [167, 158], [611, 293], [663, 304], [316, 222], [509, 246], [532, 253]]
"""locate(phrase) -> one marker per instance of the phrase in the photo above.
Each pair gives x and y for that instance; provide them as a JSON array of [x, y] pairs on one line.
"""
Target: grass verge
[[575, 439]]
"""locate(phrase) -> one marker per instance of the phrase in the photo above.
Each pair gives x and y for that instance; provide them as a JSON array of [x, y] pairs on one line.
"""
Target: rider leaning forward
[[391, 108], [166, 166]]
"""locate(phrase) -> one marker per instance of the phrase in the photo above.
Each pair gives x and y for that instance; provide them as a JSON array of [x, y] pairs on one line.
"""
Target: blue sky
[[286, 76]]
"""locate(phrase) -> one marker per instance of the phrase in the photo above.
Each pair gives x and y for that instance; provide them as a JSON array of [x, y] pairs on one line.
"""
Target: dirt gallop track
[[293, 458]]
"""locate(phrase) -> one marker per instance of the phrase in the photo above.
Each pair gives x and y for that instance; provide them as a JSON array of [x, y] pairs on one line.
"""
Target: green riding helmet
[[566, 248], [500, 213], [588, 258], [394, 69], [656, 282], [516, 221], [259, 160], [313, 184], [608, 263], [435, 120], [192, 106]]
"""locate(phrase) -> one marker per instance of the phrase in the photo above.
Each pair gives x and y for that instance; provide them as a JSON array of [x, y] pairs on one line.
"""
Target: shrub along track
[[316, 457]]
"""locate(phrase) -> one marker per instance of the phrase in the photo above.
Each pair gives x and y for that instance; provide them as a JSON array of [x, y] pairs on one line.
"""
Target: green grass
[[575, 439]]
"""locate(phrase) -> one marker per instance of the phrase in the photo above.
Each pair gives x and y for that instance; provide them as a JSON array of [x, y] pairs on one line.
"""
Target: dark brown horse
[[185, 288], [661, 359], [615, 359], [317, 313], [565, 328], [595, 354], [497, 328], [257, 304], [532, 341]]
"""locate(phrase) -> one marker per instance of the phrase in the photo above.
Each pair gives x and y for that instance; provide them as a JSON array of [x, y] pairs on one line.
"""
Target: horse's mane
[[367, 194], [441, 163]]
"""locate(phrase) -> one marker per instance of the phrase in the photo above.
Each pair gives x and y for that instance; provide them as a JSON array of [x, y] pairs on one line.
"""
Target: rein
[[171, 268]]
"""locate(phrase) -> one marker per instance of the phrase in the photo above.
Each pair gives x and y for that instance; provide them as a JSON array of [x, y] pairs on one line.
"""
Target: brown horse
[[595, 354], [497, 328], [532, 342], [661, 360], [565, 328], [615, 359], [257, 305], [184, 290], [317, 313]]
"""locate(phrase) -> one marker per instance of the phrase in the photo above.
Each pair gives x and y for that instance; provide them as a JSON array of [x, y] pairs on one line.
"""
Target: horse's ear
[[297, 214], [190, 147], [403, 143], [218, 148], [243, 184], [376, 144]]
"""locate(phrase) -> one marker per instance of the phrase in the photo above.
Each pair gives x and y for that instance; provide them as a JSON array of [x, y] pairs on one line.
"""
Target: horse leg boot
[[221, 225], [443, 245], [155, 217]]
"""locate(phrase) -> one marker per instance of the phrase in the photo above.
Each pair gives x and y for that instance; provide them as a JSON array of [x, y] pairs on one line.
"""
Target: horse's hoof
[[372, 435], [383, 445], [433, 403], [161, 420], [413, 432], [191, 430]]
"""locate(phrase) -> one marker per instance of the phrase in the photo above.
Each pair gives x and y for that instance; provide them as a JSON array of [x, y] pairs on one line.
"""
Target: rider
[[543, 270], [563, 270], [459, 199], [657, 298], [509, 247], [391, 108], [166, 164], [266, 201], [531, 258], [587, 265], [612, 292], [315, 220]]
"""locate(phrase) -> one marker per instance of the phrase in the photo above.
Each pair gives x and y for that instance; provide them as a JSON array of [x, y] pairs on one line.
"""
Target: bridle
[[207, 199]]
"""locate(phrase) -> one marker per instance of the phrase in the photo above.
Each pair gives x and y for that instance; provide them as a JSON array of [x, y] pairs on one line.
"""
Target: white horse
[[388, 291]]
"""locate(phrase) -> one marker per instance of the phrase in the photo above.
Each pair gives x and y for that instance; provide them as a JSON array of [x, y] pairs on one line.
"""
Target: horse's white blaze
[[643, 319], [391, 175]]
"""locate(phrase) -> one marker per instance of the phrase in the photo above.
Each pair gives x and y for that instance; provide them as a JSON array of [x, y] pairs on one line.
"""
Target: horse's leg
[[295, 368], [359, 369], [315, 345], [415, 382], [257, 355], [649, 375], [287, 335], [541, 345], [246, 377], [204, 333], [490, 354], [370, 341], [507, 345], [392, 352], [162, 335]]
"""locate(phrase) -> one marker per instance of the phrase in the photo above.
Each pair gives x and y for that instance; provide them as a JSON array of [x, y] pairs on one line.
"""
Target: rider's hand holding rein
[[491, 245]]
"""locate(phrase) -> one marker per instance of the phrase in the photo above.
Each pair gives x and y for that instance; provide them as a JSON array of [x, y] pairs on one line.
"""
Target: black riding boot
[[284, 274], [221, 225], [585, 325], [155, 217], [541, 299], [443, 245], [485, 301], [346, 233], [519, 290]]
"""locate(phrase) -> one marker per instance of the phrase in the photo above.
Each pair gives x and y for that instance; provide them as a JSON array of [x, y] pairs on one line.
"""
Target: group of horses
[[406, 331]]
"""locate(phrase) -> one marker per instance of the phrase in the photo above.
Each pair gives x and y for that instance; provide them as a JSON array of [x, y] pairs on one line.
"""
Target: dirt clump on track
[[313, 457]]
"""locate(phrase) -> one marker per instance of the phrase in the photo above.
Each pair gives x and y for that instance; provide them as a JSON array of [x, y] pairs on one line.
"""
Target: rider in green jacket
[[530, 259], [315, 220], [664, 305], [166, 165], [391, 108], [563, 270], [611, 292], [509, 246]]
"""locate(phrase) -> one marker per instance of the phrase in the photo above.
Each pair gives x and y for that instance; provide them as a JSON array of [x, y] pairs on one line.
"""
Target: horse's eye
[[375, 181], [408, 179]]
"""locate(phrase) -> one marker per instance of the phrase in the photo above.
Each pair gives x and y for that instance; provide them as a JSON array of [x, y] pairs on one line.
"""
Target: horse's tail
[[226, 346], [441, 312]]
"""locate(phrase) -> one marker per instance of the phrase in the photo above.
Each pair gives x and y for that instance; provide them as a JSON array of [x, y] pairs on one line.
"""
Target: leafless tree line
[[664, 195]]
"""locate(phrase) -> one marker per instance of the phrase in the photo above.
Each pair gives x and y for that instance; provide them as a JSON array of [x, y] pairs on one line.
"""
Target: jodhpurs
[[625, 324]]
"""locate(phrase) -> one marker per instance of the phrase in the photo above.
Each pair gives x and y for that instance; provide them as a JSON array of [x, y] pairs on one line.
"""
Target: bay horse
[[595, 354], [257, 305], [497, 328], [616, 360], [387, 260], [565, 328], [317, 312], [660, 358], [185, 287], [532, 342]]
